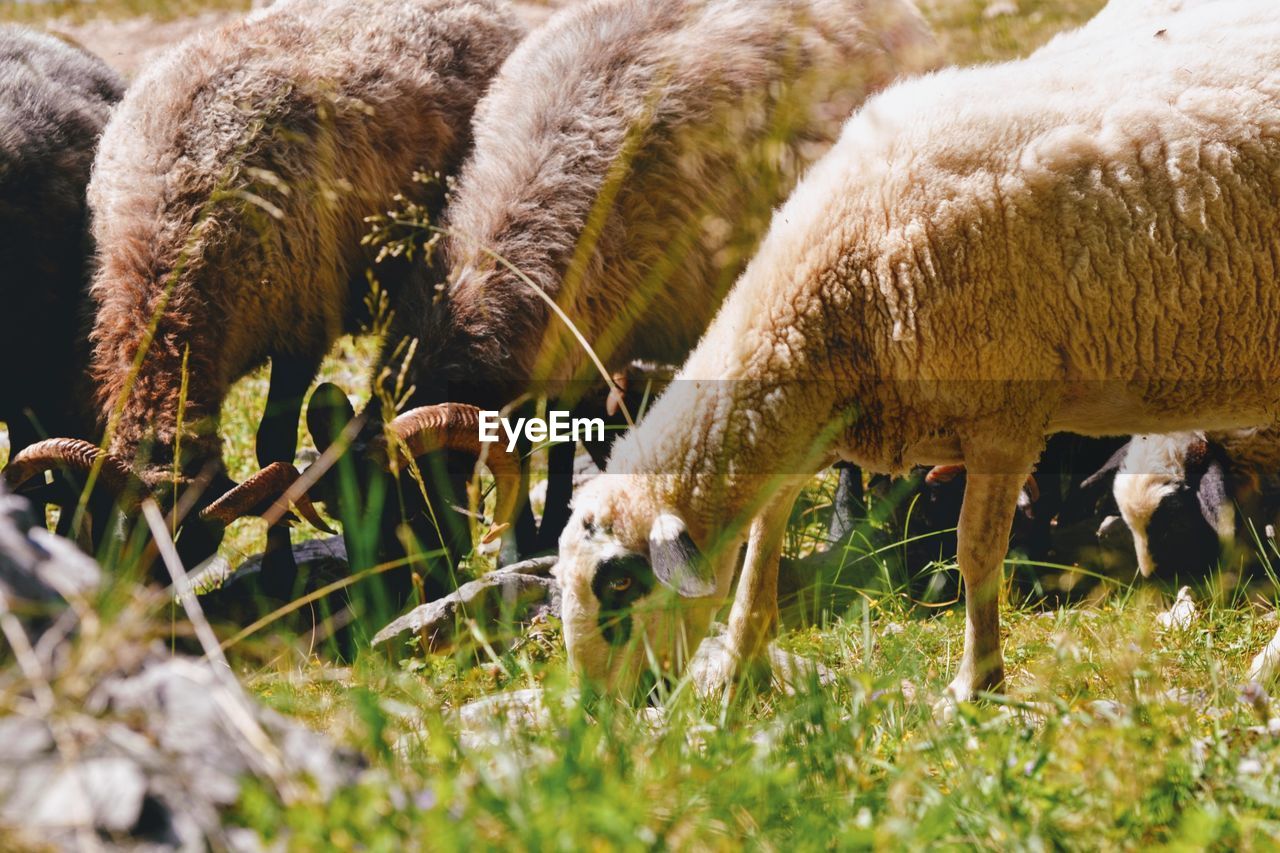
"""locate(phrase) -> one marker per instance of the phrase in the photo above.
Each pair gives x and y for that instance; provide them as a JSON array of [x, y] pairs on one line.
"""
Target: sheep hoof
[[717, 671], [966, 687]]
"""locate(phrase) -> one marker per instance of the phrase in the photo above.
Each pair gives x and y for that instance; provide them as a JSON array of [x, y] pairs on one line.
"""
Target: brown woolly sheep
[[229, 198], [627, 160]]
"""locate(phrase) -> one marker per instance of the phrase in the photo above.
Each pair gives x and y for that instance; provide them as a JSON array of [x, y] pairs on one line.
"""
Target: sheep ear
[[1215, 505], [1109, 467], [677, 562]]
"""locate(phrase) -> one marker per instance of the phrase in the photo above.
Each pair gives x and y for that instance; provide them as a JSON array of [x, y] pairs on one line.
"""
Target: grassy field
[[1114, 734]]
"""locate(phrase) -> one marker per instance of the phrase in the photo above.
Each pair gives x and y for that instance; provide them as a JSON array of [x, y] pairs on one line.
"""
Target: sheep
[[54, 101], [229, 200], [627, 159], [988, 256], [1178, 494]]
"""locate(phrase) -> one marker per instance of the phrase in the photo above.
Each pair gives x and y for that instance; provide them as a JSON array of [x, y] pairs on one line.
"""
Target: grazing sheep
[[1186, 497], [229, 197], [627, 160], [988, 256], [54, 101]]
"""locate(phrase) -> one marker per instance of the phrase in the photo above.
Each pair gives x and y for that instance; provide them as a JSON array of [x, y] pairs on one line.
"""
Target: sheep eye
[[620, 584]]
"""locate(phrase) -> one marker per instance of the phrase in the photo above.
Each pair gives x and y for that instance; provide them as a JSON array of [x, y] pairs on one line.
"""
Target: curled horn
[[456, 426], [257, 494], [75, 455]]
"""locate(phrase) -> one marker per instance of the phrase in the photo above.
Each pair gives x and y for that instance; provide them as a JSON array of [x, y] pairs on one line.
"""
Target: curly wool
[[988, 255], [54, 101], [608, 170], [1087, 252], [232, 186]]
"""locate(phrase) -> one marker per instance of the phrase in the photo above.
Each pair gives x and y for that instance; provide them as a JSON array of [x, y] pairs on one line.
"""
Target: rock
[[499, 605], [36, 567], [324, 558], [142, 747], [105, 793], [1181, 615]]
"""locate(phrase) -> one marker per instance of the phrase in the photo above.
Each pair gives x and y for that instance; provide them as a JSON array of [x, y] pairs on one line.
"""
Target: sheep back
[[232, 187], [628, 158]]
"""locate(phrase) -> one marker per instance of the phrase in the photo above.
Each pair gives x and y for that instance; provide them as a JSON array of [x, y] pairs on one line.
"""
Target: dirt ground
[[129, 44]]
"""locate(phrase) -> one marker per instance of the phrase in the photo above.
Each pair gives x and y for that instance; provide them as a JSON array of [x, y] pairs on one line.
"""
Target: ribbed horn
[[258, 494], [456, 426], [76, 455]]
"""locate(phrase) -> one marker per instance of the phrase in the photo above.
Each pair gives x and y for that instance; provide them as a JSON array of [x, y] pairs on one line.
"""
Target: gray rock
[[500, 604], [151, 749], [37, 567]]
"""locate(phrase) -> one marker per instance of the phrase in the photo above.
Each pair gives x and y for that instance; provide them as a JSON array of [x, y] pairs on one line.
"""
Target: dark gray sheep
[[55, 100]]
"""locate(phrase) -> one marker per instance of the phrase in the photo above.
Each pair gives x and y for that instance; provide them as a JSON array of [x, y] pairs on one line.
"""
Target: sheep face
[[1172, 493], [638, 595]]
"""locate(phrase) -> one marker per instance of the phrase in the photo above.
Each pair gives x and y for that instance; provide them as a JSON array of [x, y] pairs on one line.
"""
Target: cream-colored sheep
[[988, 256]]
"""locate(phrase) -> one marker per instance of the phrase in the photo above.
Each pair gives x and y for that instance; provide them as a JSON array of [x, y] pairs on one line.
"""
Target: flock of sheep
[[1081, 241]]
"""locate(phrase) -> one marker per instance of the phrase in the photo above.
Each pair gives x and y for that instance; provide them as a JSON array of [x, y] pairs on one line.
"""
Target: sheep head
[[410, 436], [1174, 494], [257, 495], [638, 592]]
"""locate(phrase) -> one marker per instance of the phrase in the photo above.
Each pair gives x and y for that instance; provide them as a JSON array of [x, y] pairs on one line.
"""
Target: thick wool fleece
[[232, 185], [54, 101], [987, 256], [1085, 251], [627, 162]]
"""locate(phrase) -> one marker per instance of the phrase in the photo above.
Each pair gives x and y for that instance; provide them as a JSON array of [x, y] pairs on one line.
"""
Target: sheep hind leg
[[277, 441], [994, 480]]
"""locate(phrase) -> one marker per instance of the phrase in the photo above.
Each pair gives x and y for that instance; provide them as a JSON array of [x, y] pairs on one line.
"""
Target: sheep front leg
[[986, 516], [277, 441], [753, 620]]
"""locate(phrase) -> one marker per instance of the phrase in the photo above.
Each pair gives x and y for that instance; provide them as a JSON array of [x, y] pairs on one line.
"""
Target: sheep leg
[[753, 619], [986, 517], [277, 441], [555, 512], [848, 502]]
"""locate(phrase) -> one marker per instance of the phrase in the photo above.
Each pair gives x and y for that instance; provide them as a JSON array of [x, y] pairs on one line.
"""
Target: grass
[[1112, 735], [37, 12]]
